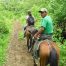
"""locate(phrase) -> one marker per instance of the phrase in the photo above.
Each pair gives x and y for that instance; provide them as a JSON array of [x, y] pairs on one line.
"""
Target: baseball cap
[[43, 10]]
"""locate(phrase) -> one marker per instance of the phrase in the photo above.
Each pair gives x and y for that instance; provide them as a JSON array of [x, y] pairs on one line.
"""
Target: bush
[[3, 28]]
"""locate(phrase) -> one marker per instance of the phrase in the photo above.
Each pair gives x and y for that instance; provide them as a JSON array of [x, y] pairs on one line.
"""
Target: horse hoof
[[29, 50], [35, 64]]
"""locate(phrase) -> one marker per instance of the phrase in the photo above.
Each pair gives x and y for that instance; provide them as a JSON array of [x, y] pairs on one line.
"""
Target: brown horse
[[48, 53], [28, 38], [30, 31], [48, 50]]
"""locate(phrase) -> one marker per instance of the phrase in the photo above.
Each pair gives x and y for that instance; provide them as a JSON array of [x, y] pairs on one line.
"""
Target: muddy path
[[17, 54]]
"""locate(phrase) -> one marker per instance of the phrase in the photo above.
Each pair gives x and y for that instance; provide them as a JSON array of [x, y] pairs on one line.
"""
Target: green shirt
[[46, 22]]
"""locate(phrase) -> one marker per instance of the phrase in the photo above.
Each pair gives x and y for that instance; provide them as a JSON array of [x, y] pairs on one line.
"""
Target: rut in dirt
[[17, 54]]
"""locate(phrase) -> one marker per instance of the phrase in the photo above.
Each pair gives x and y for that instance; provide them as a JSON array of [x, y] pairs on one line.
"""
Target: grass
[[4, 39], [20, 35], [3, 49]]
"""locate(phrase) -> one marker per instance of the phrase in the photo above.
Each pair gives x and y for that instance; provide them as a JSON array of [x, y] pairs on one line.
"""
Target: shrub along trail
[[17, 54]]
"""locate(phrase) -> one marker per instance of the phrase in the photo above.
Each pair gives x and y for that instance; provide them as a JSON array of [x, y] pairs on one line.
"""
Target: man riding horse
[[28, 28], [45, 31]]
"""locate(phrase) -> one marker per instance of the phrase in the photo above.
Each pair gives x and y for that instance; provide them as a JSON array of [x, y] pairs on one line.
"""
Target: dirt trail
[[17, 50]]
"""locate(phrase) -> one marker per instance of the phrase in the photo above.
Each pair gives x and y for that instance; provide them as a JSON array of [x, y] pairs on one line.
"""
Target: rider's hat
[[42, 10]]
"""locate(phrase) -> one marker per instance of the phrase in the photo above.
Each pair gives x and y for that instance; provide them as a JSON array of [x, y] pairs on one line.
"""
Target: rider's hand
[[35, 36]]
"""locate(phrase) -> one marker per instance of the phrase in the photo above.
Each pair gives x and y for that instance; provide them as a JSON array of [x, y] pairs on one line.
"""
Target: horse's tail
[[53, 58]]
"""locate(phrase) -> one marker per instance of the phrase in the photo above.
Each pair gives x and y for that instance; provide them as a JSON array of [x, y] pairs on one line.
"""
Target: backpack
[[31, 20]]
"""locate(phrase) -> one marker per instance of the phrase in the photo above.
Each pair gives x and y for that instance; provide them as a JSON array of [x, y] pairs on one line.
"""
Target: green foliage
[[3, 28], [63, 55], [4, 32], [3, 48], [57, 35], [21, 35], [17, 9]]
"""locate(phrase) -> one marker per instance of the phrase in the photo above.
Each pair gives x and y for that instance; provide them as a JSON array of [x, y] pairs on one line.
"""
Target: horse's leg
[[57, 60], [58, 54], [43, 57], [55, 55], [42, 61], [28, 42], [34, 63], [53, 58], [44, 53]]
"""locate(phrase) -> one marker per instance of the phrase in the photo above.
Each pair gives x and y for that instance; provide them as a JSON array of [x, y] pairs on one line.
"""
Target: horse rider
[[46, 29], [30, 20]]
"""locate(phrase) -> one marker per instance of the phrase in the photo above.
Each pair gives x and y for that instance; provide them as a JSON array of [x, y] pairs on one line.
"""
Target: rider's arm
[[39, 32]]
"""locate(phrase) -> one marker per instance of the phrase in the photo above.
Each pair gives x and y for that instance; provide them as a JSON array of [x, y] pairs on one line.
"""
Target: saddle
[[46, 36], [32, 30]]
